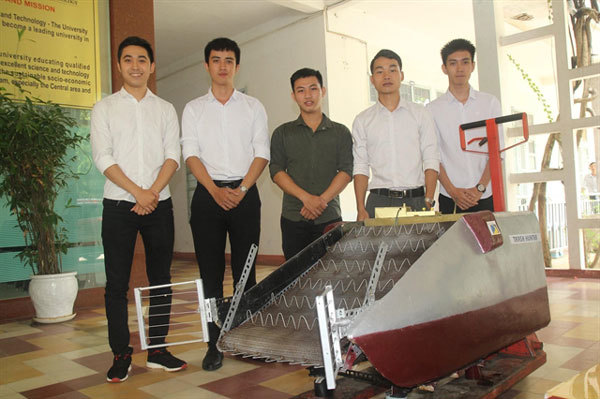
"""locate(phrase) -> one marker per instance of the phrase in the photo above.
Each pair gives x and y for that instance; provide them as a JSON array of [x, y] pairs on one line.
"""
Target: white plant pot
[[53, 296]]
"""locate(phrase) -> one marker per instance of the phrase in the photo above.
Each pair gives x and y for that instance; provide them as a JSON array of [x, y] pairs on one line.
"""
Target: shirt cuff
[[104, 163], [432, 164], [274, 169], [361, 170], [262, 153], [348, 171]]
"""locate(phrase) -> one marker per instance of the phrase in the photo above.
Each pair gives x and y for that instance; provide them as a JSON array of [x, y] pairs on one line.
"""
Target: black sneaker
[[162, 359], [121, 367], [213, 359]]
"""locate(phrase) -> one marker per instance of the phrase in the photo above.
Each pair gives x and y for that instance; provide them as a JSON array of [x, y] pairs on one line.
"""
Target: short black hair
[[457, 45], [135, 41], [387, 54], [306, 73], [222, 44]]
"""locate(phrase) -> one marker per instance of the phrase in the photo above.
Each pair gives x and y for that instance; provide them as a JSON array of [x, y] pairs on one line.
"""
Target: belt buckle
[[397, 194]]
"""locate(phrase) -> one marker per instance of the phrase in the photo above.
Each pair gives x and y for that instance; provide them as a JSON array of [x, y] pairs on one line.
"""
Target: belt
[[414, 192], [129, 204], [228, 183]]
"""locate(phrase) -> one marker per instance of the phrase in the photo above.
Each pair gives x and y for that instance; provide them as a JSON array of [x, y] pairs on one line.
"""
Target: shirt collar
[[472, 95], [401, 104], [325, 122], [235, 96], [124, 93]]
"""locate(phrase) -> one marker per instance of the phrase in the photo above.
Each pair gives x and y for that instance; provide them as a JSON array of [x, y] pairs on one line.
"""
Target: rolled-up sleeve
[[102, 148], [171, 138], [359, 149], [278, 158], [189, 134], [345, 159], [260, 133], [429, 143]]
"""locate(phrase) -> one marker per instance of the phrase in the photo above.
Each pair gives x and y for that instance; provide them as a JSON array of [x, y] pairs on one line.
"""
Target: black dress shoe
[[213, 359]]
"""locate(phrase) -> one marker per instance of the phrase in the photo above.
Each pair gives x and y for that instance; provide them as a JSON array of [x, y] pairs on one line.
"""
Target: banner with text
[[50, 48]]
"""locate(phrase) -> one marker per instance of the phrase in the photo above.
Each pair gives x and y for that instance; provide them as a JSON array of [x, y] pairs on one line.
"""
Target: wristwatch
[[430, 201], [243, 189], [481, 188]]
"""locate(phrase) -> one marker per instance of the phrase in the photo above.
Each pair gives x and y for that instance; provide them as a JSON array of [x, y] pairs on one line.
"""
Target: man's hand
[[146, 201], [315, 205], [238, 196], [138, 209], [462, 198], [473, 194], [362, 215], [226, 197], [306, 214]]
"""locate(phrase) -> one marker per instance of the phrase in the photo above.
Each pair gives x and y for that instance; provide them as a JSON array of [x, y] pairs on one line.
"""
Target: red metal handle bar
[[494, 150]]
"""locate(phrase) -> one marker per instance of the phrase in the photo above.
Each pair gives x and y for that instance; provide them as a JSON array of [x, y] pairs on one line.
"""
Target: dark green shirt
[[312, 160]]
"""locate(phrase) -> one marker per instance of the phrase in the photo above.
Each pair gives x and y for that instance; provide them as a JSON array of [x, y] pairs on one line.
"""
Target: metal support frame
[[328, 332], [334, 322], [370, 294], [205, 314], [239, 290]]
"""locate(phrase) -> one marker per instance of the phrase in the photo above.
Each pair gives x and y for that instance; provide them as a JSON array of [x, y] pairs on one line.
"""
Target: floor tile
[[47, 391], [14, 346], [27, 384], [293, 383], [194, 393], [166, 387]]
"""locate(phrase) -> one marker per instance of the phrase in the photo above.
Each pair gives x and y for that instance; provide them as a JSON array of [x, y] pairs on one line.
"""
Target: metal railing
[[556, 219]]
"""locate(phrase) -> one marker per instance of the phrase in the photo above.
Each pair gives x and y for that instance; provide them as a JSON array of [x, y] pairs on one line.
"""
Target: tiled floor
[[69, 360]]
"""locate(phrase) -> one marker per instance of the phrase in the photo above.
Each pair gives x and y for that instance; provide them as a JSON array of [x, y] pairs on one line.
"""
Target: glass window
[[82, 219]]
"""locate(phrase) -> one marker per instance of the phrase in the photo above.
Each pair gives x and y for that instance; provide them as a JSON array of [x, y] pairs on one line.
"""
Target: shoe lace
[[160, 351], [122, 356]]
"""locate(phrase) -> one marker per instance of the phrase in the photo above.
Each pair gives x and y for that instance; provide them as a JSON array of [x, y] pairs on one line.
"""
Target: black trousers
[[447, 205], [210, 225], [295, 236], [120, 227]]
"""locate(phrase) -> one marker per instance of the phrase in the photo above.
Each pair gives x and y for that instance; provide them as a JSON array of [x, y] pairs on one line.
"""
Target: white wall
[[266, 67], [348, 93], [267, 63], [406, 28], [179, 88]]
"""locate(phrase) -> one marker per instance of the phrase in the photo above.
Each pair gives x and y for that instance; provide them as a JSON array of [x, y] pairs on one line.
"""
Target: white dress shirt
[[225, 137], [397, 146], [464, 169], [139, 136]]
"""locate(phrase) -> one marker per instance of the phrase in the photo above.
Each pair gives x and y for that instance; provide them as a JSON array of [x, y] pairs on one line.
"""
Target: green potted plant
[[36, 137]]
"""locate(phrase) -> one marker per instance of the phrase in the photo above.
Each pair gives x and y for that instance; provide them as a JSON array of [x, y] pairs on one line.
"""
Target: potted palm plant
[[36, 138]]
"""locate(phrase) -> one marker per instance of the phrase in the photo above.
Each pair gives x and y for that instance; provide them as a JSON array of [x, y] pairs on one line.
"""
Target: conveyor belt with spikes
[[284, 327]]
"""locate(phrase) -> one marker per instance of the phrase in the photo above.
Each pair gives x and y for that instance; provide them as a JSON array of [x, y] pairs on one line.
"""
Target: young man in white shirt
[[394, 142], [465, 176], [135, 144], [226, 147]]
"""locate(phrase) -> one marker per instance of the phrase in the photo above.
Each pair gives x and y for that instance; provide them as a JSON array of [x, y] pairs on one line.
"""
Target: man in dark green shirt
[[311, 161]]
